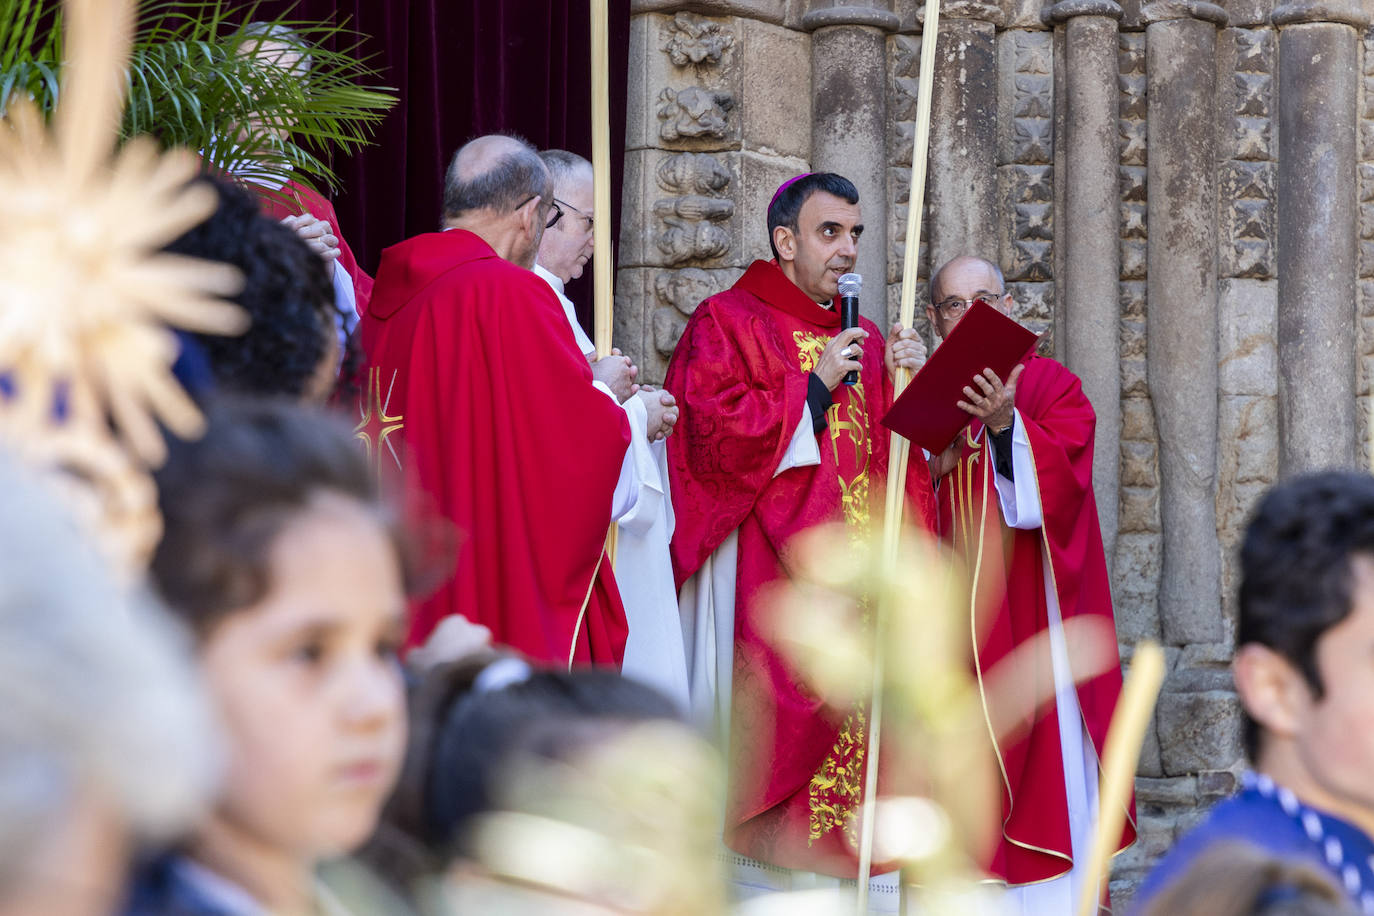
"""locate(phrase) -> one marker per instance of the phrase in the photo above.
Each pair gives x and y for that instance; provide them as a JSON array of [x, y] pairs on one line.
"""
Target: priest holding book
[[1016, 503]]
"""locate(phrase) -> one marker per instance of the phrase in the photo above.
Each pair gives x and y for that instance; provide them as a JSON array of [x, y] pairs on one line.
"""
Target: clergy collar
[[766, 280], [550, 277]]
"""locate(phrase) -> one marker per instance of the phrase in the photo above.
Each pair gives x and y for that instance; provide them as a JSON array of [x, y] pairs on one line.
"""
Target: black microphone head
[[850, 284]]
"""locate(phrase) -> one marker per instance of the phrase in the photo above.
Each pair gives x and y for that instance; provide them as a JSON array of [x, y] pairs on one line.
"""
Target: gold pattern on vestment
[[376, 426], [836, 788], [809, 348]]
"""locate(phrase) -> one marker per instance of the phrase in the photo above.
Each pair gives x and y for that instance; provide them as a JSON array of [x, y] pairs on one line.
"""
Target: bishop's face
[[823, 247]]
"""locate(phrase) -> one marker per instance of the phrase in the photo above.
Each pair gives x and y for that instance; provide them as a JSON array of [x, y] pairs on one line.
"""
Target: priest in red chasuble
[[771, 442], [1016, 502], [474, 389]]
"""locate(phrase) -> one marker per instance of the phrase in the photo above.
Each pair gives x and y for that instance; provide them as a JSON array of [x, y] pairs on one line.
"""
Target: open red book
[[926, 413]]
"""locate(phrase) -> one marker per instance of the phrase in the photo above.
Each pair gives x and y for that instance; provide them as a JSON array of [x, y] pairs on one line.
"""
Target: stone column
[[849, 123], [1181, 316], [1319, 58], [962, 182], [1087, 285]]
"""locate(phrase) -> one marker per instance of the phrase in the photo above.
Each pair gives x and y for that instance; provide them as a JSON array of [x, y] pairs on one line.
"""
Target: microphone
[[850, 285]]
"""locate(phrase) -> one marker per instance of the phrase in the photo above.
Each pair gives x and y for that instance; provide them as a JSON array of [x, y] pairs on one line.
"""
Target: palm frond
[[197, 80]]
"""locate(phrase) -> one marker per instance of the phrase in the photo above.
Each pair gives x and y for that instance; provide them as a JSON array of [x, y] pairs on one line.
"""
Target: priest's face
[[956, 285], [823, 247], [566, 247]]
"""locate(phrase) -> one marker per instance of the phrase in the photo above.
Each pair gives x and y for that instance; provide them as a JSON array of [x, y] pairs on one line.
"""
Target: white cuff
[[803, 451], [1019, 499]]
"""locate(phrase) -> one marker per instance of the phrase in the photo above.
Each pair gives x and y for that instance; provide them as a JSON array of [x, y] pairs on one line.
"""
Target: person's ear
[[531, 218], [785, 240], [933, 316], [1273, 692], [1006, 302]]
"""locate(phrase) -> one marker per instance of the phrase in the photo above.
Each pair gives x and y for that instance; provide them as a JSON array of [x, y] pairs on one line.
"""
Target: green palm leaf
[[196, 80]]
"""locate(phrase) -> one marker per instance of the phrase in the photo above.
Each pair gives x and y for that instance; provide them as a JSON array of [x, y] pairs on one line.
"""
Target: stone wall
[[1129, 164]]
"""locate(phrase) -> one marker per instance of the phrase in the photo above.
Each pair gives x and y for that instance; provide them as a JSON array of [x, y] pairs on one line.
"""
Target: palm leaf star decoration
[[87, 299]]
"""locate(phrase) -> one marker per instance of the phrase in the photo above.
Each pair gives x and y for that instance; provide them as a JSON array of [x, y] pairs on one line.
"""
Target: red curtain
[[465, 68]]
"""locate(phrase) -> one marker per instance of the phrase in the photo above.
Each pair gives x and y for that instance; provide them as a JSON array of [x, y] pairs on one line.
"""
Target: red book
[[927, 411]]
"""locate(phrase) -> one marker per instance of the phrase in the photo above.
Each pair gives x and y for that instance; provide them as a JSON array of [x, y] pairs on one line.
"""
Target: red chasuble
[[1009, 588], [471, 362], [294, 199], [740, 373]]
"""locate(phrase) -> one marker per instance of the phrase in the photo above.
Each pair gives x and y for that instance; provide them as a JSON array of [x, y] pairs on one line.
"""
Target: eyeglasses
[[955, 308], [557, 211], [556, 216], [563, 203]]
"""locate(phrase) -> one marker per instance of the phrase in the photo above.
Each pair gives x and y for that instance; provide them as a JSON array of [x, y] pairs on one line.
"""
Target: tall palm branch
[[197, 79]]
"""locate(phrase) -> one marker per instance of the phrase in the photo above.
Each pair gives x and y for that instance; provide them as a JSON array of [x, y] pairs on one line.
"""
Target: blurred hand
[[455, 637], [663, 413], [316, 233], [617, 373]]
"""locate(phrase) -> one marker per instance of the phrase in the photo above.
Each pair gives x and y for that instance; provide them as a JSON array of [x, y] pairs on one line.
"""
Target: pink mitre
[[785, 185]]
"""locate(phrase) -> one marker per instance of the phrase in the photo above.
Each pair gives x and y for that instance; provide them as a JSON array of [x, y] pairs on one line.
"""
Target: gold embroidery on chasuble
[[376, 425], [836, 788], [809, 348]]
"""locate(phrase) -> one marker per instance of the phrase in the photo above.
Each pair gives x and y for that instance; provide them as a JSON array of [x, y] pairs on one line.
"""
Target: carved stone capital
[[853, 15], [1065, 10], [1166, 10], [978, 10], [1348, 12]]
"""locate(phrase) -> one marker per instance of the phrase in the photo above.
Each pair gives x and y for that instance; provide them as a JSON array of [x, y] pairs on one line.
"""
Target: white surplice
[[1019, 501], [643, 511]]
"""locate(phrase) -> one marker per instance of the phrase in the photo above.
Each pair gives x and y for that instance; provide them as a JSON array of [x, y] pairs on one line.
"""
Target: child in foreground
[[282, 561]]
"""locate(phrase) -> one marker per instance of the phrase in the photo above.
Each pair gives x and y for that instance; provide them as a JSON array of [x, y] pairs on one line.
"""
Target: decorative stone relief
[[684, 240], [1365, 340], [695, 207], [693, 173], [694, 112], [1138, 543], [1025, 170], [678, 294], [1132, 129], [695, 41], [1248, 214], [904, 66]]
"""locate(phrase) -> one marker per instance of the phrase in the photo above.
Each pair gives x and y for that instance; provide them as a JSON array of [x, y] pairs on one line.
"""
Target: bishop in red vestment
[[771, 443], [472, 365], [1016, 502]]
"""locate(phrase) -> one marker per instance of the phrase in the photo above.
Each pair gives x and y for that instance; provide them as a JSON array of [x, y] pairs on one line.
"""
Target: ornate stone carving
[[690, 40], [1367, 164], [1026, 179], [1248, 219], [686, 240], [904, 53], [694, 112], [1365, 338], [1032, 106], [1132, 113], [684, 289], [695, 207], [693, 173]]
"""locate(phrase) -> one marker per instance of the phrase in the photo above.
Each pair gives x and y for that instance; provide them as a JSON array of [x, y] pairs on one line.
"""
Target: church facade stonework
[[1181, 197]]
